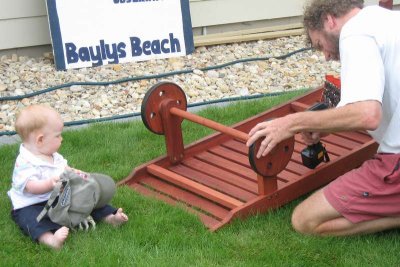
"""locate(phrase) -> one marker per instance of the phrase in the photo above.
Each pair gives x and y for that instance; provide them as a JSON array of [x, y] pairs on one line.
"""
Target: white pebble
[[25, 75]]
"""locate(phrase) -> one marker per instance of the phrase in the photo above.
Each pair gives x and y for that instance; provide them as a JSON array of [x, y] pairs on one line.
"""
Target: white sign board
[[88, 33]]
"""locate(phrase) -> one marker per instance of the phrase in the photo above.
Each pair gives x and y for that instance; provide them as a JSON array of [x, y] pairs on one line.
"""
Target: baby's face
[[52, 136]]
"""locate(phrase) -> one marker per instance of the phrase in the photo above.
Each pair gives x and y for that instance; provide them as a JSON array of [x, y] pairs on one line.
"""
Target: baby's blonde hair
[[32, 118]]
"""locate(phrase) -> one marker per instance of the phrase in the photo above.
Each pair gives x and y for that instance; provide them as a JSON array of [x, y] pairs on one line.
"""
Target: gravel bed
[[23, 75]]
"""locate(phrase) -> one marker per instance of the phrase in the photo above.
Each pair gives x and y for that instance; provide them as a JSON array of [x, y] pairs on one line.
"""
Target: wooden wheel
[[150, 110], [275, 161]]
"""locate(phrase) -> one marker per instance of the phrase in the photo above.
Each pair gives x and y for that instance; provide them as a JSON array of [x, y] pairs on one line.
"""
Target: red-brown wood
[[214, 179], [150, 109], [276, 161], [190, 185], [172, 131], [268, 185], [164, 116], [386, 4], [210, 124]]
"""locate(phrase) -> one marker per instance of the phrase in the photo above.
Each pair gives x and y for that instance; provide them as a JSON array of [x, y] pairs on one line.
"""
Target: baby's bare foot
[[55, 240], [116, 219]]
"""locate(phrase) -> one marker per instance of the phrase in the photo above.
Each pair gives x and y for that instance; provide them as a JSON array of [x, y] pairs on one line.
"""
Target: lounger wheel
[[275, 161], [150, 110]]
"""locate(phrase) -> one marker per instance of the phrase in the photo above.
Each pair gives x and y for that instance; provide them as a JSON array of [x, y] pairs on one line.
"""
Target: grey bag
[[77, 196]]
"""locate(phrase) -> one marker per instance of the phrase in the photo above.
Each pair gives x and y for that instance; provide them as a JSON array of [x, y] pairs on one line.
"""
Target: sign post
[[89, 33]]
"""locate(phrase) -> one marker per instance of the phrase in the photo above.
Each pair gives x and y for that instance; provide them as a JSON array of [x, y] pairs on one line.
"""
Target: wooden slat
[[252, 31], [193, 186], [221, 174], [188, 198], [228, 165], [298, 106], [337, 150], [355, 136], [245, 38], [236, 146], [216, 184], [225, 175], [207, 220], [298, 147], [296, 168], [288, 176], [340, 141], [296, 157], [331, 148], [232, 155]]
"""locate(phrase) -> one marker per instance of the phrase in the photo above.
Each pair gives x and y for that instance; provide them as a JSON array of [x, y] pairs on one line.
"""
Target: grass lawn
[[162, 235]]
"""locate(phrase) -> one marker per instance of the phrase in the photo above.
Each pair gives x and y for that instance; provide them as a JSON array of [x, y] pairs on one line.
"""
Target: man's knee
[[299, 222], [303, 222]]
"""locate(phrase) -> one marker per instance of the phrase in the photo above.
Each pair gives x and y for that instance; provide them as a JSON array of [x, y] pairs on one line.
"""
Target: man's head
[[323, 21], [40, 127]]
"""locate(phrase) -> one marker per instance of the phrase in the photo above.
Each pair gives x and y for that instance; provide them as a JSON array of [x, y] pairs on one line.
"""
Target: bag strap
[[53, 196], [327, 159]]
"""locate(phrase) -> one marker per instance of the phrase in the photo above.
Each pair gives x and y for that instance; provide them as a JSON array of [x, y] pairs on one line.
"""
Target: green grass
[[161, 235]]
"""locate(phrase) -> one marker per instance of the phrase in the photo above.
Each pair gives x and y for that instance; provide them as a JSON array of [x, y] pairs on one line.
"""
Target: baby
[[37, 169]]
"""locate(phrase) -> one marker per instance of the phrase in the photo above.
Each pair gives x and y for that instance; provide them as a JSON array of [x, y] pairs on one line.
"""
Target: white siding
[[24, 32], [12, 9], [217, 12], [23, 23]]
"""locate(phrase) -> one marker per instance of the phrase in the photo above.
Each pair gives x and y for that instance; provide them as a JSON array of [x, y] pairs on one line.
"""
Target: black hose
[[155, 76], [147, 77], [137, 114]]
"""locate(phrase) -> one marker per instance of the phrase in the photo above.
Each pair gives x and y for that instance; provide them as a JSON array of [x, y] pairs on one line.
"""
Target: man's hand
[[362, 115], [275, 131], [312, 138]]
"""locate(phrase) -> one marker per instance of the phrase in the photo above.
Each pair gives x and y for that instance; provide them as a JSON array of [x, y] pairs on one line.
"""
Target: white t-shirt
[[29, 167], [370, 60]]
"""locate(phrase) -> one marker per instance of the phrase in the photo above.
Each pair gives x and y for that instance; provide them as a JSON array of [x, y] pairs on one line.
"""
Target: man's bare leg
[[55, 240], [316, 216]]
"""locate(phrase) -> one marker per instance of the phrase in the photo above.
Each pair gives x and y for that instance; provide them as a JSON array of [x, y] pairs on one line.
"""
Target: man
[[367, 42]]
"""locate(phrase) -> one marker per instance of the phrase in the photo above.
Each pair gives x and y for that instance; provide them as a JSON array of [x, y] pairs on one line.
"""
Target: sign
[[89, 33]]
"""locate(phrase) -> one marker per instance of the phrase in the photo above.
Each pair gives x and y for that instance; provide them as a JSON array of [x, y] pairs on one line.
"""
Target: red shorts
[[369, 192]]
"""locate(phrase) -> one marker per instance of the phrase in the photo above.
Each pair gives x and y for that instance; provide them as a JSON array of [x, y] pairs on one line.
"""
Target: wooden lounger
[[218, 177]]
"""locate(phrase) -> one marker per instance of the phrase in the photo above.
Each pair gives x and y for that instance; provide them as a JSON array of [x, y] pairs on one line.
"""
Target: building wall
[[24, 25]]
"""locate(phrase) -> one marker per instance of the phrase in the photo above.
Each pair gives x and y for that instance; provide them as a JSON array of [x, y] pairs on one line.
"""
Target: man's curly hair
[[316, 11]]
